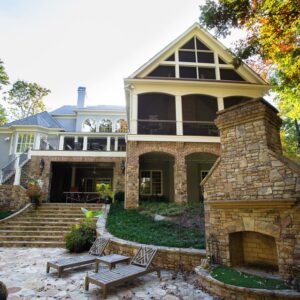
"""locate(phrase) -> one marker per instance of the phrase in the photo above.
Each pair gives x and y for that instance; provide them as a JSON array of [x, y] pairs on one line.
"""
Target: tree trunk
[[297, 127]]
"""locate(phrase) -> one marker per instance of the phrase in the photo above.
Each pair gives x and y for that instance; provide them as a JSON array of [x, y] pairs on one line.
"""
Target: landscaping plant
[[82, 235], [105, 192]]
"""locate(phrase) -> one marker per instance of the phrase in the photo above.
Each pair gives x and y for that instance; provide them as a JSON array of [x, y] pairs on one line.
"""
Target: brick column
[[132, 177], [119, 177], [180, 180]]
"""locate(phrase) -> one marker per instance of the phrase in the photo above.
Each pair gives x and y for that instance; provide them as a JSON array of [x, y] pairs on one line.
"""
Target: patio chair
[[139, 266], [62, 264]]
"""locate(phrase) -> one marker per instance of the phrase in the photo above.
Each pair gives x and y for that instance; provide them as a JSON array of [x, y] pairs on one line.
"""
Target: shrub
[[119, 196], [81, 236], [3, 291]]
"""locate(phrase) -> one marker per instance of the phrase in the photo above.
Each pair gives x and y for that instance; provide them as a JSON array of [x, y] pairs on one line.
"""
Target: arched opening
[[121, 126], [156, 114], [156, 176], [89, 125], [235, 100], [198, 114], [198, 166], [105, 125], [253, 249]]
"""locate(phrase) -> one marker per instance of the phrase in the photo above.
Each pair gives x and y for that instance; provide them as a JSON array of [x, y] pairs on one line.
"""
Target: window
[[163, 71], [105, 126], [151, 183], [25, 141], [89, 125], [204, 174], [229, 74]]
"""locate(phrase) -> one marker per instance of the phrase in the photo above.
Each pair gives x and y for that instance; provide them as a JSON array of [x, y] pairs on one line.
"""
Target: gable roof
[[42, 119], [195, 30]]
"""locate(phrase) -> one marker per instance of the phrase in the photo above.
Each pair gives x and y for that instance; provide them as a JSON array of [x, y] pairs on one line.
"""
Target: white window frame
[[17, 141], [161, 183], [102, 121]]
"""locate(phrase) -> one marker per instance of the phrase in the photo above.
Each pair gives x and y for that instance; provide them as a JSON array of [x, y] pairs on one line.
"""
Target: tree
[[4, 79], [26, 99], [272, 41]]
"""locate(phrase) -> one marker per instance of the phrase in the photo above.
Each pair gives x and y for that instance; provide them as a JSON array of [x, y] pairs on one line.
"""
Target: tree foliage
[[26, 99], [272, 43], [4, 79]]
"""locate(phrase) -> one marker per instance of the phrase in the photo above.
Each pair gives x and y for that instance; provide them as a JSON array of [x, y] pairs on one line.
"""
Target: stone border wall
[[227, 291], [12, 197], [183, 259]]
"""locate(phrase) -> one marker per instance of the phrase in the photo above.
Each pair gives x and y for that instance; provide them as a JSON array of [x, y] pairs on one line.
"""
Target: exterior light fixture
[[42, 165], [122, 166]]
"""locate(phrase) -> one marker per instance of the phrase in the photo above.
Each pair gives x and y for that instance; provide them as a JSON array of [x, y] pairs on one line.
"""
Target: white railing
[[14, 167]]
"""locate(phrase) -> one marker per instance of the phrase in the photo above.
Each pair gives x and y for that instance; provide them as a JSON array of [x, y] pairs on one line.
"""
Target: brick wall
[[178, 150], [32, 169]]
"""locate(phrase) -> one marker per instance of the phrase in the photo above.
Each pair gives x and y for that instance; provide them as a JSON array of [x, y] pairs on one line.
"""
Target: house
[[171, 141]]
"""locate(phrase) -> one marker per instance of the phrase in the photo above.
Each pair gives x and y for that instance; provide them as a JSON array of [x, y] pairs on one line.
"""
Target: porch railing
[[161, 127], [201, 128]]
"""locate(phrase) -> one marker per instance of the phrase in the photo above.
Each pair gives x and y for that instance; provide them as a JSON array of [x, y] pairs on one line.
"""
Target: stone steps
[[44, 227], [32, 232], [32, 244]]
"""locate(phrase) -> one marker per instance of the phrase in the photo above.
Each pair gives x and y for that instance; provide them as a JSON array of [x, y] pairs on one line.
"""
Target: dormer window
[[105, 125]]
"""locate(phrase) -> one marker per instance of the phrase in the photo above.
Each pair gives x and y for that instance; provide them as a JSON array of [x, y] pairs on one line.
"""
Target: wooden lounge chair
[[139, 266], [62, 264]]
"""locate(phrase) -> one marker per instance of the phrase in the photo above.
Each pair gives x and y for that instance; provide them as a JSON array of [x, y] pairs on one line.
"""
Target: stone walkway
[[24, 273]]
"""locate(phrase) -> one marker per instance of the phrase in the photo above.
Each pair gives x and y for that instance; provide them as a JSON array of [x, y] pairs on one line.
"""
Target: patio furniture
[[62, 264], [82, 197], [139, 266], [111, 260]]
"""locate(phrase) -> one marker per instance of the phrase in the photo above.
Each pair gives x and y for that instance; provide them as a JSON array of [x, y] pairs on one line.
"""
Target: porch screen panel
[[199, 113], [156, 114]]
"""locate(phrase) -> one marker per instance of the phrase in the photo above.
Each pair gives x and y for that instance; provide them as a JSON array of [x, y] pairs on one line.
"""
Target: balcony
[[165, 127], [78, 143], [200, 128]]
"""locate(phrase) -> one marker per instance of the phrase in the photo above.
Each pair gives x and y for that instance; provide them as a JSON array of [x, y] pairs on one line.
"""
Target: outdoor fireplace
[[252, 209], [253, 249]]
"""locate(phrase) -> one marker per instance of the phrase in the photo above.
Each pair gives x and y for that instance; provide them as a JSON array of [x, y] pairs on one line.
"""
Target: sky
[[63, 44]]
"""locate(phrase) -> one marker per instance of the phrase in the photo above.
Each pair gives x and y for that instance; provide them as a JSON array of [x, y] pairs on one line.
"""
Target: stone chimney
[[251, 195], [81, 97]]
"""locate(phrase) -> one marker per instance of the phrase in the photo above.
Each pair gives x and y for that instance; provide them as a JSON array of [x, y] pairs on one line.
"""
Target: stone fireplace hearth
[[252, 209]]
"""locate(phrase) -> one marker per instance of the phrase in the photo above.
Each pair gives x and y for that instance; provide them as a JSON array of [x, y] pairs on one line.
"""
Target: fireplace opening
[[254, 250]]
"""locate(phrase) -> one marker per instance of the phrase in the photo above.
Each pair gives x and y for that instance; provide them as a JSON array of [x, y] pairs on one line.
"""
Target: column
[[179, 124], [73, 176], [17, 180], [37, 142], [85, 142], [61, 142], [116, 143], [108, 143], [220, 103], [180, 180], [134, 114]]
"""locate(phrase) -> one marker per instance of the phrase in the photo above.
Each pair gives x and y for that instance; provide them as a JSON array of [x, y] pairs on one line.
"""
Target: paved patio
[[24, 273]]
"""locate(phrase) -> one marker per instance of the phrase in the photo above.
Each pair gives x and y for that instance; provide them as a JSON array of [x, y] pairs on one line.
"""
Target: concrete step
[[32, 244], [40, 223], [35, 228], [46, 220], [32, 232], [39, 238]]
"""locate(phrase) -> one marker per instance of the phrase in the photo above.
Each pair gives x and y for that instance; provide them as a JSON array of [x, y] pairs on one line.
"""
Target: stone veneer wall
[[179, 150], [12, 197], [32, 169], [252, 187]]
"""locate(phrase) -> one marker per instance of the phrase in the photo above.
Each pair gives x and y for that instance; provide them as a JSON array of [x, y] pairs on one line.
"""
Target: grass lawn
[[234, 277], [4, 214], [135, 226]]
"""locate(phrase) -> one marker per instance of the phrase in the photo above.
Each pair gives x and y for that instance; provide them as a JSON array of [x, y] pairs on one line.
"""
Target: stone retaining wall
[[12, 197], [227, 291], [184, 259]]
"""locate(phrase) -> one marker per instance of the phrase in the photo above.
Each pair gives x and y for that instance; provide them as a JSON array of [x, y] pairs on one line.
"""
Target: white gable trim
[[210, 41]]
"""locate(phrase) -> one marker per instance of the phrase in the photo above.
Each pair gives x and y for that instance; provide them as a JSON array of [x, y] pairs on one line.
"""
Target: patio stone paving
[[24, 273]]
